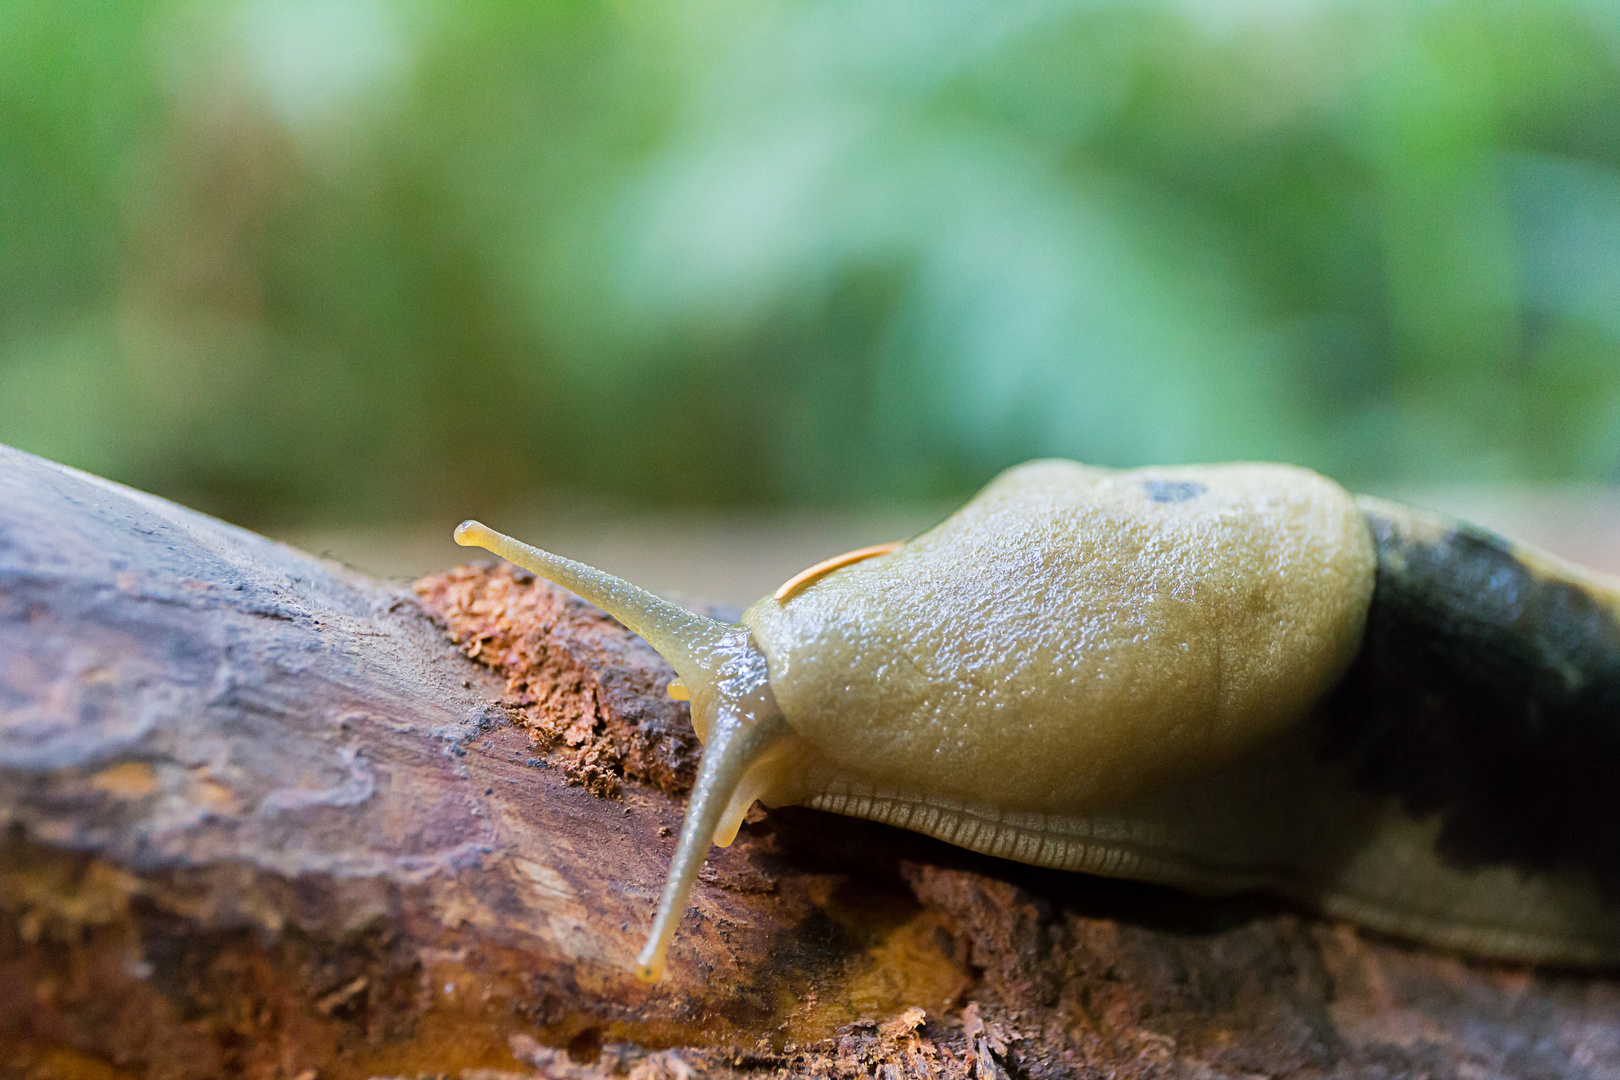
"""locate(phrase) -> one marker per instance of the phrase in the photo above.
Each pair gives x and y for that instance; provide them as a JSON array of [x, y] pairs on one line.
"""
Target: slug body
[[1216, 677]]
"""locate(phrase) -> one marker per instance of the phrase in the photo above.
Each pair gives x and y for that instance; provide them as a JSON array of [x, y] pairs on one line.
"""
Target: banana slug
[[1220, 678]]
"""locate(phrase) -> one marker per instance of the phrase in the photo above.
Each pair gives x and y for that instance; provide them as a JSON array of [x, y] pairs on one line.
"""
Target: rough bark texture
[[262, 818]]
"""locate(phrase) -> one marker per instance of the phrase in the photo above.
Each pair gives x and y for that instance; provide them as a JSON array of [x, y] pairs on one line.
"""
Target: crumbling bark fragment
[[578, 682]]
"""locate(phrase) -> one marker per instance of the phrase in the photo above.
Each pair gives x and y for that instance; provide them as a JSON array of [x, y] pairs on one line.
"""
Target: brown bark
[[262, 818]]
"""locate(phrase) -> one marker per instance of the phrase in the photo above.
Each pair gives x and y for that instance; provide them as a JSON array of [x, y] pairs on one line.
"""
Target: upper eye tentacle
[[690, 642]]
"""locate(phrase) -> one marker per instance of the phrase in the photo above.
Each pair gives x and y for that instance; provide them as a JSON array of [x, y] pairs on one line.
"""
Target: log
[[265, 816]]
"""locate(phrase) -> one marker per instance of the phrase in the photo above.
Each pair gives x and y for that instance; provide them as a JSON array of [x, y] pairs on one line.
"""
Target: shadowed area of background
[[316, 264]]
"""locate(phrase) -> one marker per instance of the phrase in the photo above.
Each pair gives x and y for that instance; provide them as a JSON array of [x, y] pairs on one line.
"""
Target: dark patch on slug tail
[[1487, 690], [1172, 491]]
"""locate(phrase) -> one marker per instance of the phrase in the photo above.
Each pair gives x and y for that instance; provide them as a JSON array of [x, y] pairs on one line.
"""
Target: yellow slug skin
[[1075, 636], [1219, 678]]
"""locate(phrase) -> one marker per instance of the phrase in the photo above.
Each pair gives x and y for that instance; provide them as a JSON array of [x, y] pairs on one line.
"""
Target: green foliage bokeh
[[354, 258]]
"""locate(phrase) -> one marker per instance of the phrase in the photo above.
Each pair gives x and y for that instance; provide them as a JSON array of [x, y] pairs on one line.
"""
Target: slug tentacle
[[736, 742], [691, 643], [749, 751]]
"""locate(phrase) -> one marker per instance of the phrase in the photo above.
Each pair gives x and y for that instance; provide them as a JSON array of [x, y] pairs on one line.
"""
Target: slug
[[1219, 678]]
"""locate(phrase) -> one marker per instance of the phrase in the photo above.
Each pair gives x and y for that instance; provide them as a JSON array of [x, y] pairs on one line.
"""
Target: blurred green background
[[356, 260]]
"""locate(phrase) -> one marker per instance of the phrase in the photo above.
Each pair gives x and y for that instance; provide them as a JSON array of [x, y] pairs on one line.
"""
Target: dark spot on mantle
[[1172, 491]]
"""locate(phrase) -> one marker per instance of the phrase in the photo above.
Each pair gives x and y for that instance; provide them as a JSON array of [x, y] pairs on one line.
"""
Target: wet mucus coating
[[1187, 676]]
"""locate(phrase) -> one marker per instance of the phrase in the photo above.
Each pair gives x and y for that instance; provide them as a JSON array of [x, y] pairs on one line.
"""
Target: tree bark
[[263, 817]]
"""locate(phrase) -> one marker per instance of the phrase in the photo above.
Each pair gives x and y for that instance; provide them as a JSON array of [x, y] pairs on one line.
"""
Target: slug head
[[748, 748], [1071, 638]]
